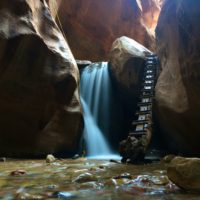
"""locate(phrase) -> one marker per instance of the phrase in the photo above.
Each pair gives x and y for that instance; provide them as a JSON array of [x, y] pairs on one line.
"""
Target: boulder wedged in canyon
[[92, 26], [40, 109], [185, 173], [127, 58], [178, 86]]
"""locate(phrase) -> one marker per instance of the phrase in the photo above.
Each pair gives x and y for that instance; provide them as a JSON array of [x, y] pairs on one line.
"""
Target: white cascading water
[[95, 86]]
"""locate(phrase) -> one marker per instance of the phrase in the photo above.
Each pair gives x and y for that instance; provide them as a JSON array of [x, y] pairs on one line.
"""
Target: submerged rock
[[18, 172], [185, 173], [178, 87], [25, 195], [40, 110], [86, 177], [89, 185], [124, 175]]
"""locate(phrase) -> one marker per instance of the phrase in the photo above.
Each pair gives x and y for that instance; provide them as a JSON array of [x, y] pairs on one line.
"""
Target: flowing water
[[86, 179], [95, 98], [95, 142]]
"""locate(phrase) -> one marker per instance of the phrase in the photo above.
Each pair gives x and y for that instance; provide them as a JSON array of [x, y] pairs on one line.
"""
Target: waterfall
[[95, 95]]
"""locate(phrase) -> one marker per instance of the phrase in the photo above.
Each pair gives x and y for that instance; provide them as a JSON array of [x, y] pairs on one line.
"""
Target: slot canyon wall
[[178, 87], [92, 26], [40, 110]]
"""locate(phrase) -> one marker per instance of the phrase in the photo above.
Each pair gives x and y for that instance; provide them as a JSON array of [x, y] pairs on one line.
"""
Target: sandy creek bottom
[[86, 179]]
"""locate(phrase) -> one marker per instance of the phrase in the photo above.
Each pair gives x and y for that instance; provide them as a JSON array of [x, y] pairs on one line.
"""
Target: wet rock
[[2, 159], [96, 169], [142, 180], [50, 158], [150, 185], [76, 156], [117, 182], [102, 166], [115, 161], [178, 86], [52, 187], [122, 181], [40, 109], [111, 182], [81, 170], [63, 195], [89, 185], [168, 158], [151, 180], [86, 177], [83, 63], [18, 172], [124, 175], [160, 180], [185, 173], [92, 26], [25, 195], [160, 172], [132, 150]]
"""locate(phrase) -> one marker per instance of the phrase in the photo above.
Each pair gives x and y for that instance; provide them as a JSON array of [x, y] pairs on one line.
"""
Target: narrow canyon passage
[[107, 91]]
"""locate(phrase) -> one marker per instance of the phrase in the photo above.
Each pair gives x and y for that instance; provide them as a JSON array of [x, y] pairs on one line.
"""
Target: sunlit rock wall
[[92, 26], [39, 102], [178, 87]]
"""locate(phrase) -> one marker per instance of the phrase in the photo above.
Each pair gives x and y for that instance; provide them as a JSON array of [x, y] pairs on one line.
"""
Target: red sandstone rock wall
[[40, 110], [92, 26], [178, 87]]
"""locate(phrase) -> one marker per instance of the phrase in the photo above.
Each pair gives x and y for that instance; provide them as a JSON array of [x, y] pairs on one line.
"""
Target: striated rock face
[[92, 26], [127, 58], [178, 87], [185, 173], [39, 102]]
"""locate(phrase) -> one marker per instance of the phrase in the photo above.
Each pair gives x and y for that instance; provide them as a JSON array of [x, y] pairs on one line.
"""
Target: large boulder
[[92, 26], [185, 173], [40, 109], [178, 87], [127, 58]]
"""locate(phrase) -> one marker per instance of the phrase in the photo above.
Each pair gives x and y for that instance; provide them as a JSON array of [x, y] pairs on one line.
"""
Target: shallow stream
[[86, 179]]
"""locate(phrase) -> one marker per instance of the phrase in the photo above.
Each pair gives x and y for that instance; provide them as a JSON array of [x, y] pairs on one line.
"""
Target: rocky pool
[[87, 179]]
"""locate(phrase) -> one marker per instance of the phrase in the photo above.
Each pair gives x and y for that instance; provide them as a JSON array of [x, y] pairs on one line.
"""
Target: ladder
[[133, 148]]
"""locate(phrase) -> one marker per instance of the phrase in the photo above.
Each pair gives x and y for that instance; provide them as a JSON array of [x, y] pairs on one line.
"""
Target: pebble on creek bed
[[18, 172], [50, 158], [124, 175], [86, 177]]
